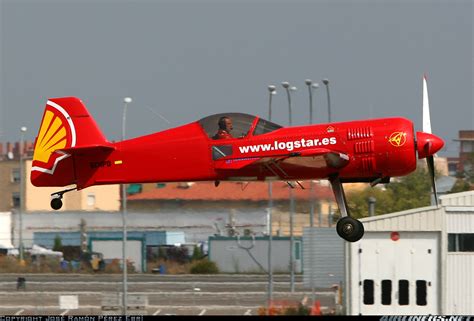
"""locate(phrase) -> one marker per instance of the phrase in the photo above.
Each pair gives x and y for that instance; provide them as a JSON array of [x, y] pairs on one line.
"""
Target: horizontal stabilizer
[[87, 149]]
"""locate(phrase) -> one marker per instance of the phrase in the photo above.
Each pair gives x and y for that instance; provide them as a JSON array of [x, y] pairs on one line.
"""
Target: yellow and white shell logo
[[56, 132]]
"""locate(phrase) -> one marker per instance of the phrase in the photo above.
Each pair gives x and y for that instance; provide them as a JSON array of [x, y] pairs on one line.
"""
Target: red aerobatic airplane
[[71, 149]]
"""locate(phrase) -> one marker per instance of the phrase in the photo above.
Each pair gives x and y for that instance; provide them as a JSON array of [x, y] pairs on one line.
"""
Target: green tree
[[197, 253], [412, 191], [204, 266], [162, 253], [58, 244], [469, 168], [409, 192], [461, 185], [358, 201]]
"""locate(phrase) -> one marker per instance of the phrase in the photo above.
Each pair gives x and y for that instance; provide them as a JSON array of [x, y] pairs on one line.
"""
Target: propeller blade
[[426, 108], [430, 162]]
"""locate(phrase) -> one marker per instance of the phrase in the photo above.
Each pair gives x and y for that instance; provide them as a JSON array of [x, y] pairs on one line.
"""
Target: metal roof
[[458, 199], [421, 219], [418, 219]]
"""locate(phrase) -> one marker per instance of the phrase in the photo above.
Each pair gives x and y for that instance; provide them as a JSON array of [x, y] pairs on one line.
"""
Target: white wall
[[5, 230], [460, 265], [460, 279], [414, 257], [231, 256], [112, 249]]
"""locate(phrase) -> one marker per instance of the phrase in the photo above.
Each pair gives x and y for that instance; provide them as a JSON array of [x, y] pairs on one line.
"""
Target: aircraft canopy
[[243, 125]]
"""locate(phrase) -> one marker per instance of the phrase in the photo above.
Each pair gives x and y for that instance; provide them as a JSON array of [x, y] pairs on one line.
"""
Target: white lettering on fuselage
[[288, 146]]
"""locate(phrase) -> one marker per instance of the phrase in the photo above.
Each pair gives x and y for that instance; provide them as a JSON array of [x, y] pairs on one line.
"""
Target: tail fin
[[66, 124]]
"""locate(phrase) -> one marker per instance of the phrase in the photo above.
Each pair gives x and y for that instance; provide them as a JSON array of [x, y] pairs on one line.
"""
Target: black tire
[[56, 203], [350, 229]]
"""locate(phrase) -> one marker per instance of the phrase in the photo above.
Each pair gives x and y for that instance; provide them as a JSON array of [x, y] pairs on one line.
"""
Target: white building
[[5, 230], [418, 261]]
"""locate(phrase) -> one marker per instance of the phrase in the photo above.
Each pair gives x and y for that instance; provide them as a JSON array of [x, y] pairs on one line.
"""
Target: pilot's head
[[225, 123]]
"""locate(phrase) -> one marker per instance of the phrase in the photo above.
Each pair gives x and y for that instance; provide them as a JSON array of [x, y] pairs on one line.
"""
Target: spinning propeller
[[427, 143]]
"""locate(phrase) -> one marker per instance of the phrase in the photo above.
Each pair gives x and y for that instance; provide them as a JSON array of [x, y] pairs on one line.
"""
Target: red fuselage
[[70, 149], [377, 148]]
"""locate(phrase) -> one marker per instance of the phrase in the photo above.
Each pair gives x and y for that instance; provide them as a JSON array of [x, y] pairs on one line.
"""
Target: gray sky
[[190, 59]]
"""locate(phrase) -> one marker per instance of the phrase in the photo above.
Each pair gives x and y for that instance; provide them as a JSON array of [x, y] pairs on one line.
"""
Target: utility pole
[[272, 92], [287, 87], [22, 194], [126, 100]]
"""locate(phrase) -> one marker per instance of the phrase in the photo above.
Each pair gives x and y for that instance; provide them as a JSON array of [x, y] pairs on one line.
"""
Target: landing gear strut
[[347, 227], [56, 199]]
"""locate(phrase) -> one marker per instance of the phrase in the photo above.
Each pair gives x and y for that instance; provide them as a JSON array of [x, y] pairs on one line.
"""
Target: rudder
[[66, 124]]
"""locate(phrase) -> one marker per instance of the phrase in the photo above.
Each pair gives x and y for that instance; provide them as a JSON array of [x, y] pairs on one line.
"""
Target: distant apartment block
[[457, 165], [96, 198]]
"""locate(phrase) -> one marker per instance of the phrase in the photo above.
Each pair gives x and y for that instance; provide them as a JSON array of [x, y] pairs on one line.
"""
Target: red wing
[[310, 158]]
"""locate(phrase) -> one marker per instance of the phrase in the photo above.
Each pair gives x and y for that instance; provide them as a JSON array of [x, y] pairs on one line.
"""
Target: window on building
[[453, 169], [297, 250], [16, 199], [368, 292], [461, 242], [467, 146], [386, 292], [90, 199], [15, 175], [403, 292], [421, 292], [134, 189]]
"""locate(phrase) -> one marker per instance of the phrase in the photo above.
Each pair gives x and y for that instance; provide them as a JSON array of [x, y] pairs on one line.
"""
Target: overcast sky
[[189, 59]]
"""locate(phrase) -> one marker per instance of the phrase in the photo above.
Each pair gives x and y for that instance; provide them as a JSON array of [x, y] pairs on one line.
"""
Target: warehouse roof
[[231, 191]]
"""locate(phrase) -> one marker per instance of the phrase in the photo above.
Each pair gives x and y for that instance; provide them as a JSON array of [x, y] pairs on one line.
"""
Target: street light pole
[[126, 101], [326, 82], [272, 91], [23, 130], [287, 87], [311, 85]]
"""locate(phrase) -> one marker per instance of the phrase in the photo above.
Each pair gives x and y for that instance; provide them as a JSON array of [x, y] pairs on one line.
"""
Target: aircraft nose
[[428, 144]]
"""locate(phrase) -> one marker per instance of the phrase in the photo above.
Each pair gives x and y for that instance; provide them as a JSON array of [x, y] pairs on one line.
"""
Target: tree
[[412, 191], [469, 168], [58, 245], [409, 192], [461, 185], [197, 253], [358, 201]]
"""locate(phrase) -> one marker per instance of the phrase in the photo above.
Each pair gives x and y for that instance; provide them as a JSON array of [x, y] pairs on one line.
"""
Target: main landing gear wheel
[[350, 229], [56, 203]]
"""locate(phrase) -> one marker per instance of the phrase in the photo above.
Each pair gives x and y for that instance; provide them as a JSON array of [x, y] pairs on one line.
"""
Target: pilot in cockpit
[[225, 127]]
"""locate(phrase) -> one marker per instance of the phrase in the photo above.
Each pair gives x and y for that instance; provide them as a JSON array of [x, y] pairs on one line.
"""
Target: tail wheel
[[56, 203], [350, 229]]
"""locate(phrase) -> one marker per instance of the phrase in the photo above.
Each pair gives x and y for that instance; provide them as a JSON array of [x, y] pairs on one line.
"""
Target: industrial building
[[415, 262], [250, 254]]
